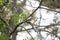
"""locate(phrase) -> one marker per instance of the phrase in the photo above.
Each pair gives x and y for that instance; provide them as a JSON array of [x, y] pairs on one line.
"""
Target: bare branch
[[4, 21], [26, 18], [27, 32]]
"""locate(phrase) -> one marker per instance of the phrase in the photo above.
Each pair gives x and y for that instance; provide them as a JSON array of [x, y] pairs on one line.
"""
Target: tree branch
[[4, 21], [26, 19]]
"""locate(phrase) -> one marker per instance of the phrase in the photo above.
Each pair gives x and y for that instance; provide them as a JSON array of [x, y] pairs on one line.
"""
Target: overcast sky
[[47, 19]]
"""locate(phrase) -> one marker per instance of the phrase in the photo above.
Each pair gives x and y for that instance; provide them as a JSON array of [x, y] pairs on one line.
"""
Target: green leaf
[[1, 3], [3, 37], [2, 25], [23, 16], [16, 18]]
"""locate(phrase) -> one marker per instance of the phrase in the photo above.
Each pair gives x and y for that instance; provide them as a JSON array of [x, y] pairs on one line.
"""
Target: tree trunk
[[12, 26], [14, 36]]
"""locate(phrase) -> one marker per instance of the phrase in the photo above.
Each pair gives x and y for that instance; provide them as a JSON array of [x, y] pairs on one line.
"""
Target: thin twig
[[27, 32], [3, 21], [25, 19]]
